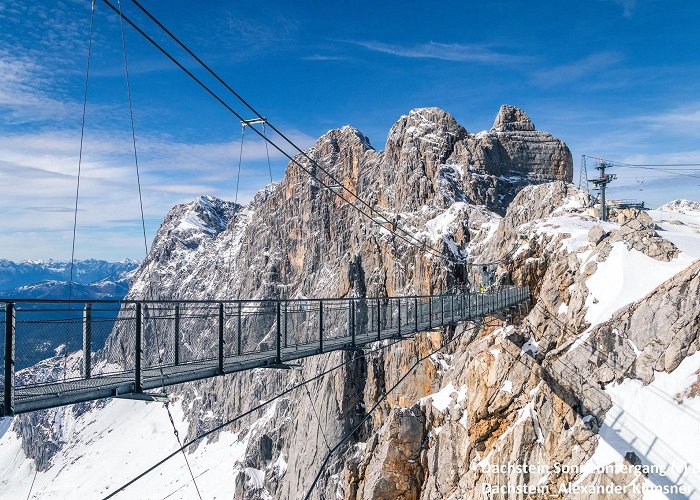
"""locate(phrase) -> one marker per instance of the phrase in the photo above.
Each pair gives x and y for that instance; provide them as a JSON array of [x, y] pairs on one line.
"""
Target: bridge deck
[[62, 386]]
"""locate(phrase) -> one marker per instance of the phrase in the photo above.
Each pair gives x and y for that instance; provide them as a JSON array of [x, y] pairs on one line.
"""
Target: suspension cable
[[257, 113], [267, 151], [240, 160], [377, 219], [145, 242], [77, 187], [352, 431], [316, 414], [255, 408], [230, 248], [133, 130]]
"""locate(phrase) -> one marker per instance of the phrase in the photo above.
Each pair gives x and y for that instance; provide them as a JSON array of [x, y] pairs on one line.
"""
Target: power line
[[667, 168], [382, 222], [667, 165], [674, 172]]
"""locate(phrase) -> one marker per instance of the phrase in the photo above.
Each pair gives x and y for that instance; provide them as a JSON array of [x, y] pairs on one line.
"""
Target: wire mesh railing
[[57, 352]]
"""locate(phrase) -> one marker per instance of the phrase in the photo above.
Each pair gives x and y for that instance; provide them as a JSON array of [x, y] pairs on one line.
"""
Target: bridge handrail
[[235, 301], [201, 338]]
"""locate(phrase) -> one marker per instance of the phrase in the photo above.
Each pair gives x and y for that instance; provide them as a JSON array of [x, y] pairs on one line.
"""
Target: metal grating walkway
[[159, 343]]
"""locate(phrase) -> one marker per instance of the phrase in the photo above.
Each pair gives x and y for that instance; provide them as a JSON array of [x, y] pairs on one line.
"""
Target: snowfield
[[115, 443], [660, 424]]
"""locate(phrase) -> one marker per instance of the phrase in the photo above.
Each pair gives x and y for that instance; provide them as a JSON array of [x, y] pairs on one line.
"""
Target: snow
[[682, 229], [618, 280], [507, 386], [658, 427], [256, 477], [442, 399], [111, 444], [563, 308], [440, 360], [281, 465], [439, 226], [525, 413], [574, 226], [531, 346], [192, 221], [682, 207], [463, 420]]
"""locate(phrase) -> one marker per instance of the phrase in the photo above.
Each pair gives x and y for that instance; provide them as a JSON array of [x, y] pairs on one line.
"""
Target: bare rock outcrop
[[510, 118], [652, 335]]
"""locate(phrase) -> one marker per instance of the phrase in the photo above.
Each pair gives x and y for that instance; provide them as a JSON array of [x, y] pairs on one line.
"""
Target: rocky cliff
[[528, 388]]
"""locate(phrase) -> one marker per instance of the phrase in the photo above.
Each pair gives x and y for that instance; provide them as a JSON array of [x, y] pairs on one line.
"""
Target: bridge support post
[[430, 312], [379, 319], [87, 340], [8, 389], [320, 326], [415, 311], [278, 312], [351, 321], [452, 308], [177, 334], [238, 328], [285, 325], [399, 315], [222, 321], [442, 310], [138, 386]]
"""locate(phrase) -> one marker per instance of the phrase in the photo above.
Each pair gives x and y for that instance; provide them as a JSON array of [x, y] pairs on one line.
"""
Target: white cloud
[[587, 67], [443, 51], [682, 120], [23, 93], [38, 173], [321, 57]]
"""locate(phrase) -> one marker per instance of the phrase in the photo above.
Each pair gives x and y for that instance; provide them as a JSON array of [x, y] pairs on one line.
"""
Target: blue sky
[[614, 78]]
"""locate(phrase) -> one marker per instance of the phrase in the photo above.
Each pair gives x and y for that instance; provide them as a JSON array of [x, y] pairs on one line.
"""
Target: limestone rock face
[[653, 334], [510, 118]]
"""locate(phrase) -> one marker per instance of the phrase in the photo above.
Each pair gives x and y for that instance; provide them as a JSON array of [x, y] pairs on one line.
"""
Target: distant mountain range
[[40, 279]]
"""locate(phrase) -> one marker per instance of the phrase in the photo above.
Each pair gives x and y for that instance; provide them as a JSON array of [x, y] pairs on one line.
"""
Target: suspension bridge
[[136, 348], [160, 343]]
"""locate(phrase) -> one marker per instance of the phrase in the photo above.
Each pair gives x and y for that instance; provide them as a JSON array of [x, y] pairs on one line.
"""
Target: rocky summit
[[549, 384]]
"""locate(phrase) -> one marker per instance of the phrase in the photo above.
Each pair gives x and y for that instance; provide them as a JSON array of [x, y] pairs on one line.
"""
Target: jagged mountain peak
[[425, 123], [511, 118], [335, 138], [207, 214], [188, 226]]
